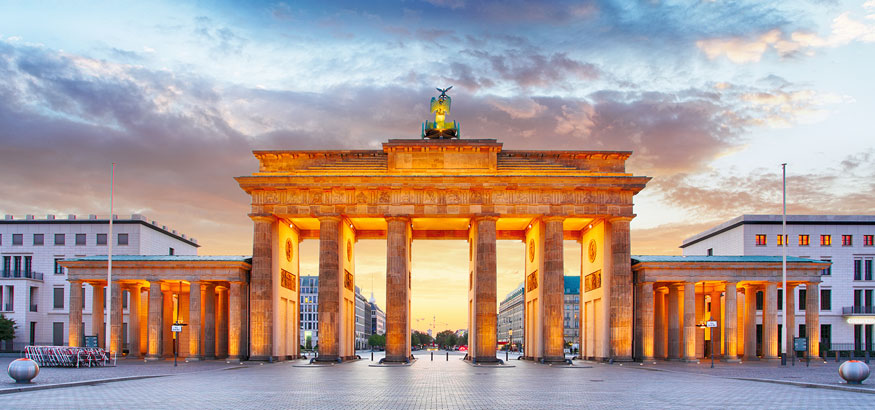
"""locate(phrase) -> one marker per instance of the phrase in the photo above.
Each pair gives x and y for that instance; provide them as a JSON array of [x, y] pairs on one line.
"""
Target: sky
[[712, 96]]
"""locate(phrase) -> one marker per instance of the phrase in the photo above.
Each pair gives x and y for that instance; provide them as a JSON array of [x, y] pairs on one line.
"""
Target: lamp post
[[509, 343]]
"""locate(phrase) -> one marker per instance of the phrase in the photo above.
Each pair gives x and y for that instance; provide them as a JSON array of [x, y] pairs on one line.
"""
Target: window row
[[863, 269], [825, 299], [805, 240], [61, 239]]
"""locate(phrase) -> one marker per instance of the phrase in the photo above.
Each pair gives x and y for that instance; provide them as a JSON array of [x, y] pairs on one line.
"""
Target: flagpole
[[784, 241], [108, 343]]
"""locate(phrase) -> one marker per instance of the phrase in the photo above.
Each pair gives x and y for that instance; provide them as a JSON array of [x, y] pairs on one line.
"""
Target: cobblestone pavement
[[436, 385], [818, 371]]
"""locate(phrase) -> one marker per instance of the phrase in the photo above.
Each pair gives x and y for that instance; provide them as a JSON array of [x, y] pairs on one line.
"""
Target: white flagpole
[[784, 330], [108, 344]]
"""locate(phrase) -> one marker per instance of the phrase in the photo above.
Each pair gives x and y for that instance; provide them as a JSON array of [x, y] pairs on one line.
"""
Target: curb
[[774, 381], [26, 388]]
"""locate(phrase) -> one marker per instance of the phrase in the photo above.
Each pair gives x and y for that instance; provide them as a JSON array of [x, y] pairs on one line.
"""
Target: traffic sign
[[711, 323], [176, 328]]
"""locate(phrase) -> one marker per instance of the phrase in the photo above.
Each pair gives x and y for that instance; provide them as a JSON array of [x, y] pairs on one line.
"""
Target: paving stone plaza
[[441, 384]]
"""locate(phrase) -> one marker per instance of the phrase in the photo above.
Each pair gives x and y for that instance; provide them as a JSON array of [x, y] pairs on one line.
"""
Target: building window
[[780, 299], [58, 298], [825, 299], [781, 239], [7, 265], [122, 239], [825, 240], [28, 264], [802, 294], [867, 269], [710, 251], [101, 239], [172, 251], [761, 240], [803, 240], [17, 239], [827, 271], [60, 239], [858, 269], [38, 239], [759, 300], [34, 307], [867, 240], [59, 270], [80, 239], [847, 240]]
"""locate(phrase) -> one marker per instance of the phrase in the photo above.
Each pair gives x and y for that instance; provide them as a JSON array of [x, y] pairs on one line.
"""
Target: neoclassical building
[[451, 189]]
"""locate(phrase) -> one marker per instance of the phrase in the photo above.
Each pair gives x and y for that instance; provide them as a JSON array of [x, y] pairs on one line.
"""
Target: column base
[[153, 358], [730, 360], [263, 358], [689, 360], [194, 359], [750, 359]]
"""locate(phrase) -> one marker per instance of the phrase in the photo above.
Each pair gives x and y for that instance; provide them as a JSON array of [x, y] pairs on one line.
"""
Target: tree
[[463, 340], [7, 328], [377, 340], [309, 342], [446, 339]]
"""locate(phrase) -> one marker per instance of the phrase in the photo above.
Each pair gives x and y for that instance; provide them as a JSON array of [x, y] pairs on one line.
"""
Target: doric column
[[716, 339], [235, 322], [194, 321], [134, 321], [329, 288], [261, 288], [621, 290], [689, 321], [750, 323], [485, 292], [647, 337], [397, 289], [659, 325], [790, 318], [156, 321], [222, 322], [770, 321], [209, 320], [700, 318], [675, 317], [812, 318], [98, 324], [554, 286], [115, 317], [730, 337], [74, 337]]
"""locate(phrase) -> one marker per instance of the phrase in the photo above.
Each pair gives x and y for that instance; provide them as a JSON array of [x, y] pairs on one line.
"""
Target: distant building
[[511, 313], [369, 318], [847, 304], [378, 318], [309, 311], [362, 320], [33, 288]]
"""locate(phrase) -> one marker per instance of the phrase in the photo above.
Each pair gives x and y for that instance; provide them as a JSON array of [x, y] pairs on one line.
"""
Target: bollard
[[372, 355], [432, 356], [448, 355]]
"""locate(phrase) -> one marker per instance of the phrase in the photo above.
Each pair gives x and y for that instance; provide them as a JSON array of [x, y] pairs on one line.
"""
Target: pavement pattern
[[438, 384]]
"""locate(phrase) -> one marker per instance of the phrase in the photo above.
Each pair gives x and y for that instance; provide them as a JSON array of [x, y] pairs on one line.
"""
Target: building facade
[[34, 290], [572, 311], [362, 320], [847, 315], [378, 318], [309, 312], [511, 314]]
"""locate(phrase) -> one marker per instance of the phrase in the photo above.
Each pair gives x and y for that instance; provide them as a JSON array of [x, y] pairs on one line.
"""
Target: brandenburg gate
[[445, 188]]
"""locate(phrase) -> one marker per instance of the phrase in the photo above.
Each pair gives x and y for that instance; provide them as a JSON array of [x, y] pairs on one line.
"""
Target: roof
[[165, 258], [572, 285], [714, 259], [777, 219]]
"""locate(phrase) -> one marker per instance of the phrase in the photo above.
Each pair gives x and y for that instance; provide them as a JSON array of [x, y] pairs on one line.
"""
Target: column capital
[[270, 218], [620, 218], [484, 217], [329, 217], [75, 281], [552, 218], [402, 218]]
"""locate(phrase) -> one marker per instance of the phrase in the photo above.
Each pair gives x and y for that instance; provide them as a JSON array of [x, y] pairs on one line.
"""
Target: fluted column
[[675, 317], [716, 339], [689, 321], [730, 337], [194, 321], [329, 288], [750, 323], [659, 325], [790, 319], [812, 318], [209, 321], [700, 318], [397, 289], [74, 337], [621, 290], [156, 322], [647, 322], [235, 322], [222, 322], [770, 321], [115, 317], [261, 288], [486, 293], [98, 325], [134, 321], [554, 287]]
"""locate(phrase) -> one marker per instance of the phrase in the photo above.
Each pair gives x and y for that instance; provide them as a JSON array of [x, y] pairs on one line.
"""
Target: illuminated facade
[[448, 189]]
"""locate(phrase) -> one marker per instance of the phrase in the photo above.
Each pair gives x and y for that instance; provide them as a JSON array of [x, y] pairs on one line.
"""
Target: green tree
[[7, 328], [463, 340], [446, 339], [309, 342], [377, 340], [414, 339]]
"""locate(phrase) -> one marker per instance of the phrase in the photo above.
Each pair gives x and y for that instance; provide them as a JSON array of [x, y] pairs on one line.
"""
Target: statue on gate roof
[[440, 128]]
